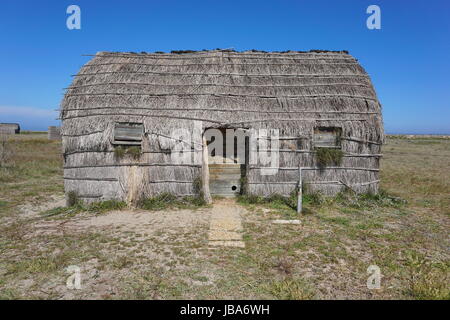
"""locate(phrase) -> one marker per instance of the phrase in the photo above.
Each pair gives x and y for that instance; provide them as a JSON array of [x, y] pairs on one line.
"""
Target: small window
[[128, 134], [327, 137]]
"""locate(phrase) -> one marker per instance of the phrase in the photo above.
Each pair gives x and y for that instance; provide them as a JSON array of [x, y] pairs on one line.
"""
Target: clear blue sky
[[408, 59]]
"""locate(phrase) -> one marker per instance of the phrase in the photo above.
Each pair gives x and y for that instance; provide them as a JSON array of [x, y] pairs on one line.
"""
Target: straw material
[[292, 91]]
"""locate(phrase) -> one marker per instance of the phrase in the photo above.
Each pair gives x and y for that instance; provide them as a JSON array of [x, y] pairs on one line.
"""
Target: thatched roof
[[222, 86]]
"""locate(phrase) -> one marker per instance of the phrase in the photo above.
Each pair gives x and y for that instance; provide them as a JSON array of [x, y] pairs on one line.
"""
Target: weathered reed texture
[[54, 133], [293, 92]]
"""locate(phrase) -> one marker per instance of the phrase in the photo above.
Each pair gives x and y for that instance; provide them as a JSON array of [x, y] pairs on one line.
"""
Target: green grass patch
[[122, 151], [337, 220], [347, 202], [291, 289], [168, 200], [328, 157], [63, 210], [96, 207], [105, 206], [368, 200], [427, 280], [274, 201]]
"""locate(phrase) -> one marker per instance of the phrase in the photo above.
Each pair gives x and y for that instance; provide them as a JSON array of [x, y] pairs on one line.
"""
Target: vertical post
[[246, 163], [300, 192], [205, 172]]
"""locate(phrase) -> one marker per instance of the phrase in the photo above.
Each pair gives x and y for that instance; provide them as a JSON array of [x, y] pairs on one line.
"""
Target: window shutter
[[327, 137], [128, 133]]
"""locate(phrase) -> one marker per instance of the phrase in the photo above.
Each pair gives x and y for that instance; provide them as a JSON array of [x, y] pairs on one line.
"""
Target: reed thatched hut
[[121, 111], [9, 128]]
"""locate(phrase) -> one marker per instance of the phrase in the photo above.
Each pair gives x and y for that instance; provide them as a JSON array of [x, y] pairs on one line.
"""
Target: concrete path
[[225, 226]]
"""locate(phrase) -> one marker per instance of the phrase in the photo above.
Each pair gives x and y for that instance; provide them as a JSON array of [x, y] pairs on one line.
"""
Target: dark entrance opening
[[227, 160]]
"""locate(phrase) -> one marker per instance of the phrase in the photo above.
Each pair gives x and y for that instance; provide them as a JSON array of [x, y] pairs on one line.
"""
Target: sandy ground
[[223, 220], [32, 210], [146, 222], [226, 225]]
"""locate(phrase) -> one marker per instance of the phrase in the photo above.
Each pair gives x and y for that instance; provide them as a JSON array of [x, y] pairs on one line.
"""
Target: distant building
[[10, 128], [54, 133]]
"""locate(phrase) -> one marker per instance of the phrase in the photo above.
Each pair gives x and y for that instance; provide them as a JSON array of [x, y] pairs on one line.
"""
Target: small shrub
[[72, 198], [133, 151], [197, 185], [197, 201], [158, 202], [250, 199], [104, 206], [285, 266], [244, 185], [168, 200], [292, 200], [368, 200], [119, 152], [275, 201], [314, 198], [328, 156], [317, 199], [77, 207]]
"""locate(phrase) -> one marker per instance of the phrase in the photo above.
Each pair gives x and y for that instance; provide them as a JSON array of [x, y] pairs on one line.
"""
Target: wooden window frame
[[337, 133], [130, 141]]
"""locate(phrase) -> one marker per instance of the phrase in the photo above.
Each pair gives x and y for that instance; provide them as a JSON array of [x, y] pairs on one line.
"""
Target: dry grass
[[325, 257], [6, 151], [35, 172]]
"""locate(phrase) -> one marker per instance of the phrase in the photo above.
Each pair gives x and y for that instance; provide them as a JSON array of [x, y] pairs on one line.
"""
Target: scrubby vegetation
[[132, 151], [289, 289], [105, 206], [197, 185], [244, 185], [274, 200], [160, 202], [72, 198], [316, 199], [427, 280], [328, 157], [95, 207], [168, 200], [33, 172]]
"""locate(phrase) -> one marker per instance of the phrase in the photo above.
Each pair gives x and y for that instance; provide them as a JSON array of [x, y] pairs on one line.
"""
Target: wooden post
[[205, 173], [300, 193]]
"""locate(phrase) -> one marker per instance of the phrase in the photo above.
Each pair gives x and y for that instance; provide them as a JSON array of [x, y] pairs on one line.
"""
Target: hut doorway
[[227, 160]]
